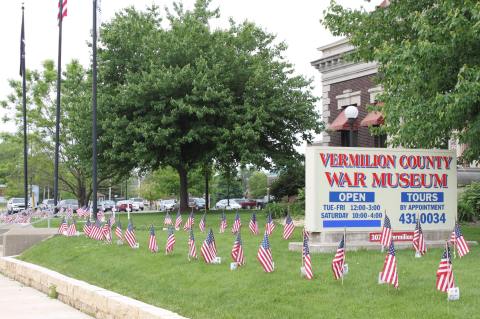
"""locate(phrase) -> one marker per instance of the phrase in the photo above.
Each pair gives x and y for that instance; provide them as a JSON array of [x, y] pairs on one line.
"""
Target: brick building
[[346, 83]]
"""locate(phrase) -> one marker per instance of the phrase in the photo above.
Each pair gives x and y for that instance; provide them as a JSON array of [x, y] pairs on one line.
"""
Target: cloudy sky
[[295, 22]]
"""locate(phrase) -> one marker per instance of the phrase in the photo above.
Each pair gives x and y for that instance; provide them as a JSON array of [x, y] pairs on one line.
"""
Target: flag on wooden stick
[[389, 273], [63, 228], [445, 279], [307, 261], [192, 250], [386, 235], [202, 223], [152, 241], [339, 260], [288, 228], [237, 251], [419, 239], [264, 255], [209, 249], [270, 225], [237, 223], [170, 241], [130, 235], [178, 221], [223, 223], [459, 241], [253, 224]]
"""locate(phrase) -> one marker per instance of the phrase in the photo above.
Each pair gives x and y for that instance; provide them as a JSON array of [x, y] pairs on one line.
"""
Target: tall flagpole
[[57, 117], [24, 107], [94, 110]]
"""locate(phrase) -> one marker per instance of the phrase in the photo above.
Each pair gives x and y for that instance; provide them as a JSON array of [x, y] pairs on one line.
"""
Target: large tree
[[182, 94], [75, 128], [429, 66]]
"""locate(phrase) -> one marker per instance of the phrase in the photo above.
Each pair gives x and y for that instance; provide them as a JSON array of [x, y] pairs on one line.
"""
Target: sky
[[295, 22]]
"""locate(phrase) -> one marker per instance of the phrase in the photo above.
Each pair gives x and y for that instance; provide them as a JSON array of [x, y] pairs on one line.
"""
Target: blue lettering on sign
[[422, 197], [342, 223], [349, 197]]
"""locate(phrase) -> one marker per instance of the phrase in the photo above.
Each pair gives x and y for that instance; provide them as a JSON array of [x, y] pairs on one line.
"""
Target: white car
[[228, 205], [14, 205], [137, 203], [167, 204]]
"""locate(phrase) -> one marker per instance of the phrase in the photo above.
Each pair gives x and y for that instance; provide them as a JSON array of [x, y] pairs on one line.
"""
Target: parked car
[[14, 205], [167, 204], [199, 202], [68, 203], [123, 204], [137, 203], [48, 203], [106, 205], [247, 203], [227, 204]]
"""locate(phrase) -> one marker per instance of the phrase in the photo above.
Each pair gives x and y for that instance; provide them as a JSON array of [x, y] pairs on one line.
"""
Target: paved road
[[20, 302]]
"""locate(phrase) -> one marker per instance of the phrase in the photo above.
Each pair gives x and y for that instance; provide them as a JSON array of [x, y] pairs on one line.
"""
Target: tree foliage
[[184, 94], [429, 64], [75, 128], [289, 182], [257, 184]]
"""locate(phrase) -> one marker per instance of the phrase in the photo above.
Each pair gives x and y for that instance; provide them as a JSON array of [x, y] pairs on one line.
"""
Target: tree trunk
[[182, 173], [82, 196], [207, 206]]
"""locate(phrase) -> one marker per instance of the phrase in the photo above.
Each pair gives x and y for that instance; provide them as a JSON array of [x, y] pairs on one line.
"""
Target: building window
[[380, 141], [345, 138]]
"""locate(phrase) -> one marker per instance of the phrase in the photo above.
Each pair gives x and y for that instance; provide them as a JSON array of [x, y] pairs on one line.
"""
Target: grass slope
[[197, 290]]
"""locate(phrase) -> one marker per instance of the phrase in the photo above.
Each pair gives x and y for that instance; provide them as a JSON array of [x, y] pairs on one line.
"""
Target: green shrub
[[469, 203], [279, 210]]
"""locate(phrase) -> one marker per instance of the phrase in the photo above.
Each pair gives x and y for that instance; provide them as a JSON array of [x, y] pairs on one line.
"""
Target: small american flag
[[386, 236], [87, 228], [418, 239], [170, 241], [264, 254], [63, 13], [460, 242], [107, 231], [118, 230], [152, 241], [178, 221], [202, 223], [190, 222], [209, 249], [97, 231], [130, 235], [237, 223], [270, 225], [253, 225], [72, 228], [445, 279], [192, 250], [168, 220], [389, 273], [223, 223], [307, 261], [63, 228], [305, 233], [288, 228], [237, 251], [339, 260]]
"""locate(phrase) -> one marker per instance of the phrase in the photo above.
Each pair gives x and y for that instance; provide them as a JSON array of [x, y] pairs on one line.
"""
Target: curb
[[92, 300]]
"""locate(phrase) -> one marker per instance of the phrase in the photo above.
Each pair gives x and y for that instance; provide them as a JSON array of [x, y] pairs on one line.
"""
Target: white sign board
[[353, 188]]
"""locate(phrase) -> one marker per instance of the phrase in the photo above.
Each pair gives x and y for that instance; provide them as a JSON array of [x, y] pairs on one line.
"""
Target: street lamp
[[351, 112]]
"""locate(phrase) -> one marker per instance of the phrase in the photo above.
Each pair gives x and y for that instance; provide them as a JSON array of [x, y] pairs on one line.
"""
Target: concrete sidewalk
[[20, 302]]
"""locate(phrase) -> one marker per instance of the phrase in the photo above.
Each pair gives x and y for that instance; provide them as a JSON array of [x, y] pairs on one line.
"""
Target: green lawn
[[197, 290]]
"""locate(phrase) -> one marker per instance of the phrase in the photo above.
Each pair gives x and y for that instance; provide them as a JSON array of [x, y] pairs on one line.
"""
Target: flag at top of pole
[[62, 6]]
